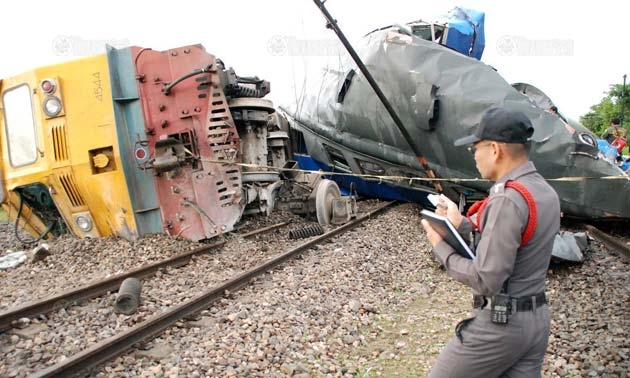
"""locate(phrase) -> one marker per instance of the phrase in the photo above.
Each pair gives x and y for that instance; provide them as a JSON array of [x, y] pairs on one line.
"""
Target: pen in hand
[[439, 202]]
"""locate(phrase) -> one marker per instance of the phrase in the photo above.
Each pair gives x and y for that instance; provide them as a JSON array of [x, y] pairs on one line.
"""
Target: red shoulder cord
[[479, 206]]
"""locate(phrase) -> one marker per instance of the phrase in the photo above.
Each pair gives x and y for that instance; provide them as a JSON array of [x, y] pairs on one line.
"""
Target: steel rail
[[66, 299], [609, 241], [115, 345]]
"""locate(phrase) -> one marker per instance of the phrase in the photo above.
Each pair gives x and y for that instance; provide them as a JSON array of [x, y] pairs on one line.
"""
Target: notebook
[[449, 233]]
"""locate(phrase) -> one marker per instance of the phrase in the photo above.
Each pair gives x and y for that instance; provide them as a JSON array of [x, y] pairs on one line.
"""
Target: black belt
[[522, 303]]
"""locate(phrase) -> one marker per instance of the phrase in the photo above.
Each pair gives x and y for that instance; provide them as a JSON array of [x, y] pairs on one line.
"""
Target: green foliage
[[598, 119]]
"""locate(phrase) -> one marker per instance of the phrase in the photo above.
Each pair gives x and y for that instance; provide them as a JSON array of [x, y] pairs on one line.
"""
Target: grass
[[3, 216], [409, 341]]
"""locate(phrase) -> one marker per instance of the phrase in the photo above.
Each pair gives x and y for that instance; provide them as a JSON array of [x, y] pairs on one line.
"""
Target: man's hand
[[432, 235], [448, 208]]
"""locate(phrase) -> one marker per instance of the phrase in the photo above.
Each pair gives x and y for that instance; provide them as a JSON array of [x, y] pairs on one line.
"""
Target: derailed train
[[137, 141], [386, 120]]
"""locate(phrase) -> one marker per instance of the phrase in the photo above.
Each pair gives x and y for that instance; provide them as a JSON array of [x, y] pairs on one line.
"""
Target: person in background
[[515, 229], [614, 131], [553, 110]]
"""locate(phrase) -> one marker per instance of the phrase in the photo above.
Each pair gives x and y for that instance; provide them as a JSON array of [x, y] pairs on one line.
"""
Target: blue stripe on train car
[[366, 188], [130, 127]]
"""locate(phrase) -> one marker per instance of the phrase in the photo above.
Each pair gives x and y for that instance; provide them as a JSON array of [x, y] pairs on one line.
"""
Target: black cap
[[615, 121], [501, 125]]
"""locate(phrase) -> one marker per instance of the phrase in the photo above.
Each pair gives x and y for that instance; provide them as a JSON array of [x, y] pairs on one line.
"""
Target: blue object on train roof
[[465, 33]]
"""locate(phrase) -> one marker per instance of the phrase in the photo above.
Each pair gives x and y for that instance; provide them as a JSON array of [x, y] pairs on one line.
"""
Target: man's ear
[[498, 152], [496, 149]]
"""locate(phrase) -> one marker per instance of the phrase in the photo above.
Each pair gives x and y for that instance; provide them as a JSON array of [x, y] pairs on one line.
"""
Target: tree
[[598, 119]]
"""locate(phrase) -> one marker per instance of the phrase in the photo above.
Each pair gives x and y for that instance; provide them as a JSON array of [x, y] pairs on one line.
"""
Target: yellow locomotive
[[60, 152], [137, 141]]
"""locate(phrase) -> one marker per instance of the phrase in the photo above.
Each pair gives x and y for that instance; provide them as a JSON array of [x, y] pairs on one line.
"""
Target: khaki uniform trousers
[[513, 350]]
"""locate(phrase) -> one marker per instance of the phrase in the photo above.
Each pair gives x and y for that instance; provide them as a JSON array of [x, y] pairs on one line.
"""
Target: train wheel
[[327, 191]]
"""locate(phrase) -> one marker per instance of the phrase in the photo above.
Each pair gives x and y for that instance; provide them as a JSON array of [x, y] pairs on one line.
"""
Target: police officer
[[508, 330]]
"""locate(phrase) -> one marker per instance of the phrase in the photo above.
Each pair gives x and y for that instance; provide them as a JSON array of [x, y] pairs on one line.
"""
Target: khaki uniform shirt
[[614, 132], [498, 251]]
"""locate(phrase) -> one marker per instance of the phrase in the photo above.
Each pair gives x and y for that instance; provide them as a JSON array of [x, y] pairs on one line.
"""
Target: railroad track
[[69, 298], [115, 345], [609, 241]]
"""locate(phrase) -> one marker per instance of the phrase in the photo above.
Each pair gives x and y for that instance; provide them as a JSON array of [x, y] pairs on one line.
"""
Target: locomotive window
[[370, 168], [337, 159], [20, 126]]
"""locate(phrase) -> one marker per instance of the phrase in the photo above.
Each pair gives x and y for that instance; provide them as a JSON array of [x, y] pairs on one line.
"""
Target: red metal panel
[[200, 198]]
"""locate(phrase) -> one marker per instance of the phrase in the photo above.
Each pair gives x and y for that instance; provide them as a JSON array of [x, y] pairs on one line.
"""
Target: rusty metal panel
[[192, 141]]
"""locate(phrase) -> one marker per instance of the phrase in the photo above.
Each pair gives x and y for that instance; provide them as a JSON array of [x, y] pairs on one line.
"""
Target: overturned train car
[[439, 94], [137, 141]]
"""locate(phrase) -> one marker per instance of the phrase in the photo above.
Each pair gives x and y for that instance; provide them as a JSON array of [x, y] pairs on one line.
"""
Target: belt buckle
[[534, 304]]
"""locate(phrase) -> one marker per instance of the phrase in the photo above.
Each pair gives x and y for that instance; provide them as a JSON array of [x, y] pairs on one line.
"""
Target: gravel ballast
[[371, 302]]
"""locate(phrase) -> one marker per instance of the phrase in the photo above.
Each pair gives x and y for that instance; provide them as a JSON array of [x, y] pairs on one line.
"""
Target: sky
[[572, 51]]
